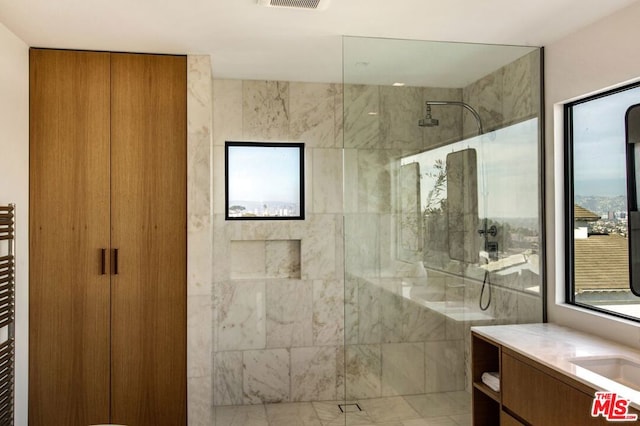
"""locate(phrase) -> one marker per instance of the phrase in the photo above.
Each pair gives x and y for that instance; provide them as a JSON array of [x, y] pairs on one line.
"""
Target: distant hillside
[[259, 206], [602, 205], [519, 222]]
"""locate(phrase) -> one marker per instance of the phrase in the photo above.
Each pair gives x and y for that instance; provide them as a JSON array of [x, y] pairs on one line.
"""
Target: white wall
[[601, 56], [14, 188]]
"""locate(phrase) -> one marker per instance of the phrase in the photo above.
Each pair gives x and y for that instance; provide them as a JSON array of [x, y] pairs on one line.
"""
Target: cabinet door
[[69, 225], [507, 420], [541, 399], [148, 166]]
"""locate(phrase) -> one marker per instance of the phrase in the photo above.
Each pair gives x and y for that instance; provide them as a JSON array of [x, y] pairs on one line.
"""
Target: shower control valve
[[493, 231]]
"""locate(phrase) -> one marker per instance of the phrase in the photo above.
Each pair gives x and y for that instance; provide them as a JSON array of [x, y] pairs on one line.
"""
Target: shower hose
[[486, 283]]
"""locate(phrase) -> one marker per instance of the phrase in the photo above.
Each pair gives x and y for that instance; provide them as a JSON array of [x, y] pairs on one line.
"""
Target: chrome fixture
[[428, 121]]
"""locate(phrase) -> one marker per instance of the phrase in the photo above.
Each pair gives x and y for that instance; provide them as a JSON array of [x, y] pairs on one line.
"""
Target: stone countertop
[[556, 346]]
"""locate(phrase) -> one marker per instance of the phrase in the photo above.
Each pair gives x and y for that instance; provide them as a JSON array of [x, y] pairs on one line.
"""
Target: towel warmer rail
[[7, 313]]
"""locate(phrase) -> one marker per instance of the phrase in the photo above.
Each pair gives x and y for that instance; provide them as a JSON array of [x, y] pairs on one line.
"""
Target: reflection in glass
[[441, 227], [504, 164]]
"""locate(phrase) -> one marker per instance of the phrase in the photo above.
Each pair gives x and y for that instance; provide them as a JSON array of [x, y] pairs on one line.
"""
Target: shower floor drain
[[349, 408]]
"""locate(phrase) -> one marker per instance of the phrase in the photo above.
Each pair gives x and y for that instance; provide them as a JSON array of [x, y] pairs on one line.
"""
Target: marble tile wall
[[270, 259], [450, 128], [199, 241], [256, 336], [507, 95], [278, 285], [393, 343], [376, 321], [390, 340], [288, 330]]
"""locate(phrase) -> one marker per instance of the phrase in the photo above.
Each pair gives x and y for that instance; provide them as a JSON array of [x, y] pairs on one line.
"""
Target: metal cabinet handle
[[103, 259], [115, 261]]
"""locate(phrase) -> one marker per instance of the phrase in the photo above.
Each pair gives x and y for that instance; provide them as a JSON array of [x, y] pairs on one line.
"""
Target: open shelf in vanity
[[485, 357]]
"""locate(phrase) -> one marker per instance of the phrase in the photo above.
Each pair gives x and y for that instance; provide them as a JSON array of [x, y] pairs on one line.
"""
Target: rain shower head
[[428, 121]]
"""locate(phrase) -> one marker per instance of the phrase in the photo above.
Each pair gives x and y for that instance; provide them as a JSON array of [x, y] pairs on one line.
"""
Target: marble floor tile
[[462, 401], [431, 421], [292, 414], [241, 415], [382, 424], [330, 415], [437, 404], [436, 409], [391, 409], [463, 419]]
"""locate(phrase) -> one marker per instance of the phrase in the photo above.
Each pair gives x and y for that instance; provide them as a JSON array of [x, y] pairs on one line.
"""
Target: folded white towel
[[492, 379]]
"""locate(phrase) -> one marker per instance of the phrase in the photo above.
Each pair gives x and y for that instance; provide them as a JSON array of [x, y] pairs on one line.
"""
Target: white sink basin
[[621, 370]]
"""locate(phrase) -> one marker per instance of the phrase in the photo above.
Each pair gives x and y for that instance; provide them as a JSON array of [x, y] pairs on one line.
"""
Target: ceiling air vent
[[295, 4]]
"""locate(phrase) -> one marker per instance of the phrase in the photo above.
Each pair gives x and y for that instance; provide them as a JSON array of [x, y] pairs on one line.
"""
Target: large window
[[597, 203]]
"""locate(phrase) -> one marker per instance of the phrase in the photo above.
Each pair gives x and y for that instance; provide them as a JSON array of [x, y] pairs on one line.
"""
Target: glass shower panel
[[441, 223]]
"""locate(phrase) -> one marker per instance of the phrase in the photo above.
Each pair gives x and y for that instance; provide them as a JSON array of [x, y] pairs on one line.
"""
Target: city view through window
[[600, 230], [264, 180]]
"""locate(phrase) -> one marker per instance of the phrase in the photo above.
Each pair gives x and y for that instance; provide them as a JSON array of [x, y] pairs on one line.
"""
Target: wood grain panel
[[148, 160], [69, 224], [541, 399], [507, 420]]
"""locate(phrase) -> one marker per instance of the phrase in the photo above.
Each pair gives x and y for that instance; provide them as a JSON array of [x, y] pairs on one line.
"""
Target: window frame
[[301, 148], [569, 221]]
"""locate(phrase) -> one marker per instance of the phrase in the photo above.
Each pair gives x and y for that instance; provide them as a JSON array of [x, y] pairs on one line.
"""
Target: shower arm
[[464, 105]]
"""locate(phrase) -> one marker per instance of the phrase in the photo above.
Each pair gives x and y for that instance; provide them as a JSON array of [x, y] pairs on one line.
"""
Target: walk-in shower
[[361, 312], [415, 200]]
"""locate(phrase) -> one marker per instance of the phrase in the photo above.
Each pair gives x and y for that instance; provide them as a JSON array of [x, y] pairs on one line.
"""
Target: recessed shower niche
[[265, 259]]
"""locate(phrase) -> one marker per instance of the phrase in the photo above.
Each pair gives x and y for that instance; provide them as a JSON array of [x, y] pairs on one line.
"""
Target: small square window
[[264, 181]]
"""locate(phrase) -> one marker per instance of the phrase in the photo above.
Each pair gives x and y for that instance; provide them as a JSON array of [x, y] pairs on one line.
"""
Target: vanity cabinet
[[507, 420], [541, 397], [530, 393], [107, 290], [486, 402]]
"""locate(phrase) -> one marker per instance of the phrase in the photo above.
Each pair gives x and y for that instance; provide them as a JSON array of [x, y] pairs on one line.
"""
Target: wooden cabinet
[[530, 393], [69, 316], [486, 402], [540, 397], [507, 420], [107, 239], [148, 228]]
